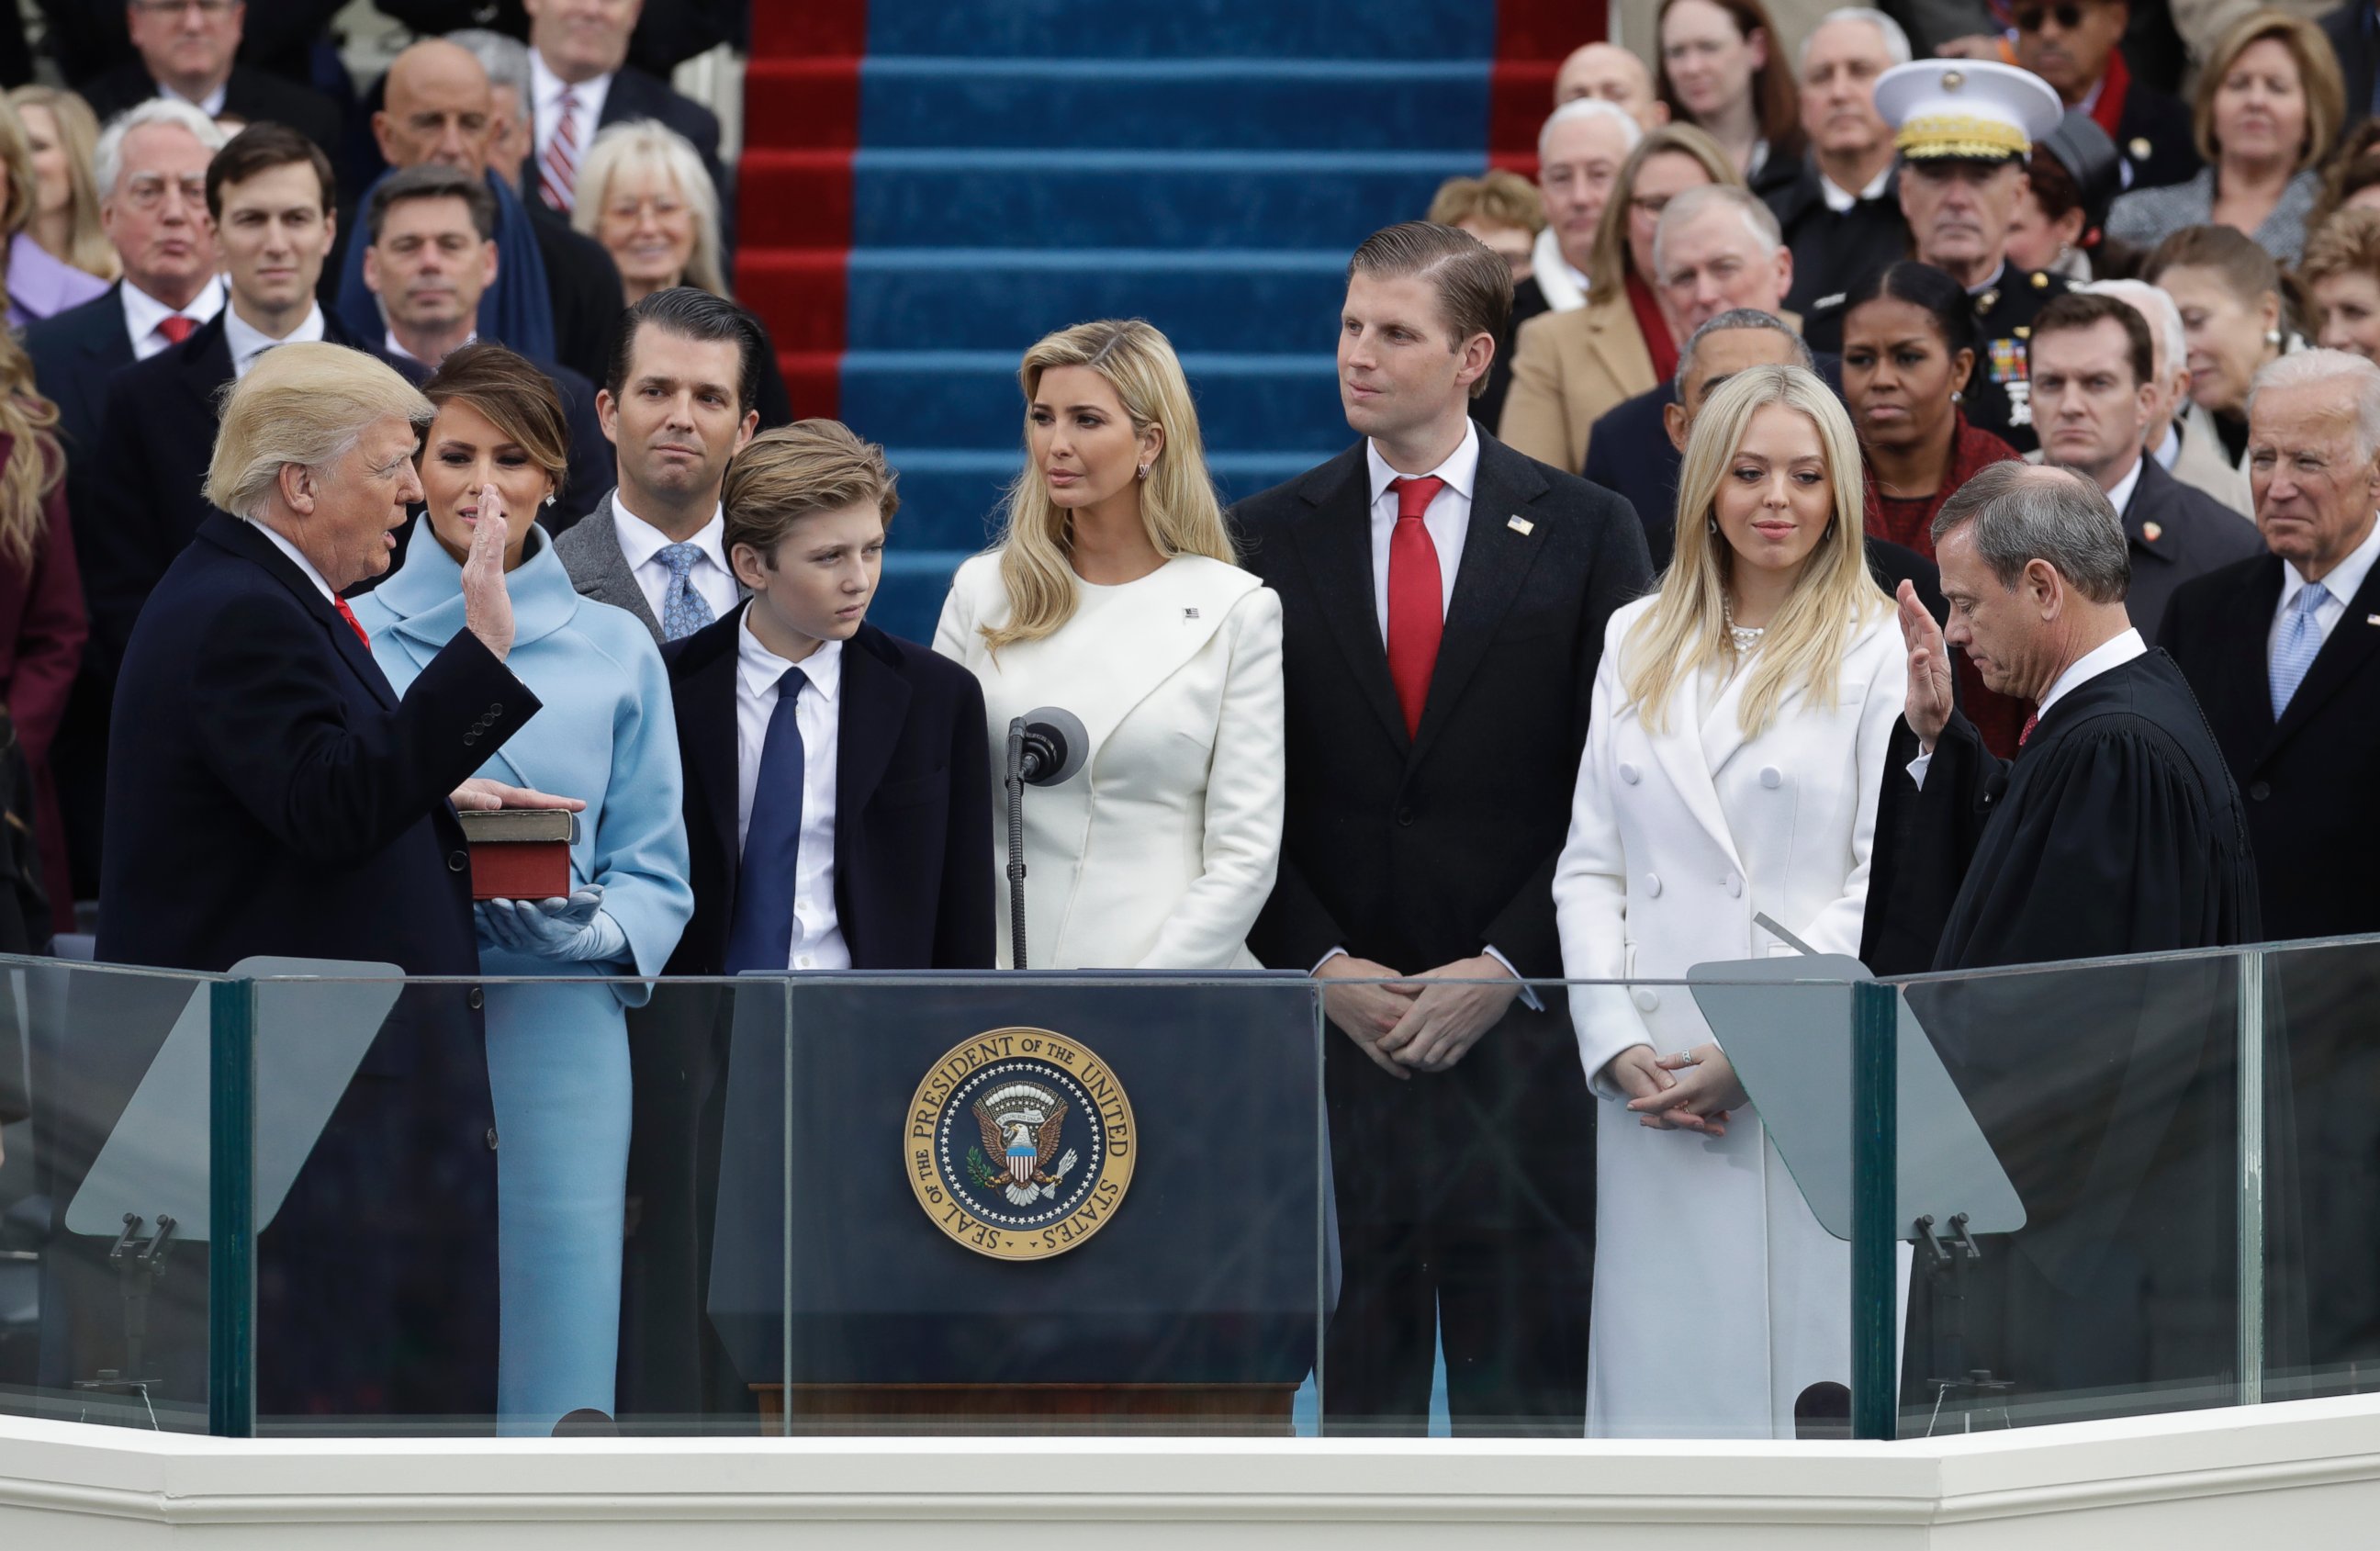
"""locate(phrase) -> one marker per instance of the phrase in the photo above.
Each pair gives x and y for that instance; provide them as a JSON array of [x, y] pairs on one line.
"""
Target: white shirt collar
[[546, 89], [396, 348], [2345, 579], [211, 105], [760, 669], [641, 541], [2112, 653], [249, 342], [303, 565], [2169, 449], [2121, 498], [1841, 200], [143, 312], [1461, 470]]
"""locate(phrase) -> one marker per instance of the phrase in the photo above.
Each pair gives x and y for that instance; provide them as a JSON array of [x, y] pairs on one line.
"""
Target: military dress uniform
[[1999, 392]]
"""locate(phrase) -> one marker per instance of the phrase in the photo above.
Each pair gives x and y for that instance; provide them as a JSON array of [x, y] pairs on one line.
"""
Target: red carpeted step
[[814, 381], [1520, 94], [1548, 29], [799, 294], [794, 198], [807, 29], [802, 104]]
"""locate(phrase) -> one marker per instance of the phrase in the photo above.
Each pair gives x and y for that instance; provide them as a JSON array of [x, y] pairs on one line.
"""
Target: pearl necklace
[[1745, 637]]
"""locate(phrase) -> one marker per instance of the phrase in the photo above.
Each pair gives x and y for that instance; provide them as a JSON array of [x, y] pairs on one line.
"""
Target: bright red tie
[[176, 328], [1416, 598], [2032, 720], [353, 623]]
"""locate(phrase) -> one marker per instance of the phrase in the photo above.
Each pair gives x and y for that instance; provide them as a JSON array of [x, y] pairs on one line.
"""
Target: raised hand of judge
[[1353, 998], [1929, 702], [487, 601], [1453, 1005]]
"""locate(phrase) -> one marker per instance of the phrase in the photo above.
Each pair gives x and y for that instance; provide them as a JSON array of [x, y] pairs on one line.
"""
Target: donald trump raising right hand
[[270, 795]]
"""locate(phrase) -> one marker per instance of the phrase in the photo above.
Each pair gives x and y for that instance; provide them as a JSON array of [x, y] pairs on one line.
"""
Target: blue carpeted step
[[1163, 28], [909, 595], [1143, 199], [949, 500], [969, 398], [1006, 298], [1172, 104]]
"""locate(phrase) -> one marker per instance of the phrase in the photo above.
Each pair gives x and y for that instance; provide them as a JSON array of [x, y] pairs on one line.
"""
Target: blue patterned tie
[[683, 611], [2300, 640], [762, 935]]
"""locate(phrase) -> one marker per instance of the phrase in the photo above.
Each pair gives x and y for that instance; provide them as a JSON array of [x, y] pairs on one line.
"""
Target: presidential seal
[[1020, 1143]]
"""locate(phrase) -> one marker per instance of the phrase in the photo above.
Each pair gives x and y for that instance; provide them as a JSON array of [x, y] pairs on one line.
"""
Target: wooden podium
[[1241, 1411]]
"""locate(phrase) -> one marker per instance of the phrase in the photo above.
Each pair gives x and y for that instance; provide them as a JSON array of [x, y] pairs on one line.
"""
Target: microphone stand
[[1016, 783]]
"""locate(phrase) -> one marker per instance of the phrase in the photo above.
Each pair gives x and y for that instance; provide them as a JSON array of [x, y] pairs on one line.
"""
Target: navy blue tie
[[762, 934]]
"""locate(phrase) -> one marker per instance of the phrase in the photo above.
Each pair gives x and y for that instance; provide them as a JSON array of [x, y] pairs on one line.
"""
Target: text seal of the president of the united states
[[1020, 1143]]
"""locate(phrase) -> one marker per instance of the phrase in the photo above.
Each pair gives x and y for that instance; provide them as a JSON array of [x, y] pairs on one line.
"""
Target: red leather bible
[[521, 852]]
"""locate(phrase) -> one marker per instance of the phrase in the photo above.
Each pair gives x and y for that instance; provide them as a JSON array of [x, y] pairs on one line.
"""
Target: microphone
[[1054, 746]]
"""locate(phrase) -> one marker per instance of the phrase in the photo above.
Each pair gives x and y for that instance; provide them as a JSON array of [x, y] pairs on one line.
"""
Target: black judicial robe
[[2108, 1091]]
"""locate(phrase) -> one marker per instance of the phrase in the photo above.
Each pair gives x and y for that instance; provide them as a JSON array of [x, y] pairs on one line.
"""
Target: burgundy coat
[[42, 631]]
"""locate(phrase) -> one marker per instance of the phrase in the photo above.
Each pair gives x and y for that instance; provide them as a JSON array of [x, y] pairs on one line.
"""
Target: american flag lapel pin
[[1189, 613], [1519, 525]]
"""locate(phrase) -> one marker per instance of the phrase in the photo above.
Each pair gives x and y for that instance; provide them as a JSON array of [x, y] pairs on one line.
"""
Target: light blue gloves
[[575, 931]]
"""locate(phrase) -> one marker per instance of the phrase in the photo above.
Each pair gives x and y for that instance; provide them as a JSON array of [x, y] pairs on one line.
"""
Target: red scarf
[[1655, 326], [2108, 111]]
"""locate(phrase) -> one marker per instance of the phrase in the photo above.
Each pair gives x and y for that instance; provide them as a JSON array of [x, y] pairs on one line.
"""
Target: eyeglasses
[[147, 190], [2069, 16], [208, 8]]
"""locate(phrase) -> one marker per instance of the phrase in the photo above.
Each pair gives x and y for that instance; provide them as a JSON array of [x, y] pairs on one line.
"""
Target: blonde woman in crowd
[[1502, 208], [38, 283], [1114, 591], [1735, 753], [64, 137]]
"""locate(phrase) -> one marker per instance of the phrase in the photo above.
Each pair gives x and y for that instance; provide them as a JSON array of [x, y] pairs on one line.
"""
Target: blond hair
[[1608, 263], [1498, 198], [641, 145], [35, 464], [2318, 79], [799, 470], [306, 404], [17, 156], [1177, 500], [88, 249], [1685, 630]]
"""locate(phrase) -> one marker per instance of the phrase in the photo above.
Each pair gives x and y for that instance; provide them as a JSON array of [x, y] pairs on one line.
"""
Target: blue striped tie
[[2300, 640], [762, 935], [683, 611]]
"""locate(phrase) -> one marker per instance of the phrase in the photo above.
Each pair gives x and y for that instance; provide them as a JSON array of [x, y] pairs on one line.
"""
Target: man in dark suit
[[666, 36], [676, 404], [1443, 605], [152, 167], [270, 196], [2073, 44], [2283, 652], [430, 255], [272, 796], [1841, 214], [582, 81], [187, 51], [2095, 398], [883, 861], [2354, 34], [440, 108]]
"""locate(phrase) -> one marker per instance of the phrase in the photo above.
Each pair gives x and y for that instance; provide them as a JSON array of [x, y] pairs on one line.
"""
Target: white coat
[[1159, 852], [1718, 1296]]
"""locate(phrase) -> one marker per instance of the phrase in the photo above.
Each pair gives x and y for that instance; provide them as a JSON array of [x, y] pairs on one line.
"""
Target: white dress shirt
[[1447, 518], [2114, 652], [395, 346], [545, 95], [2121, 498], [305, 566], [248, 342], [642, 543], [143, 312], [1840, 201], [211, 105], [818, 936], [2345, 580], [2170, 448]]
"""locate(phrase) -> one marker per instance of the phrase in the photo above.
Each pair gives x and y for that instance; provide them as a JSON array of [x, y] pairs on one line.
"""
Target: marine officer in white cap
[[1964, 129]]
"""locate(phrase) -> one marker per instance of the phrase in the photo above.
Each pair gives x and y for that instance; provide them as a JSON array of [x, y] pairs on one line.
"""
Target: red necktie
[[353, 623], [2032, 720], [1416, 598], [176, 328]]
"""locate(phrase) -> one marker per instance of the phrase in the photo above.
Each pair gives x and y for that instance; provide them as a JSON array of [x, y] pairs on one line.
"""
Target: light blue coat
[[558, 1054]]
